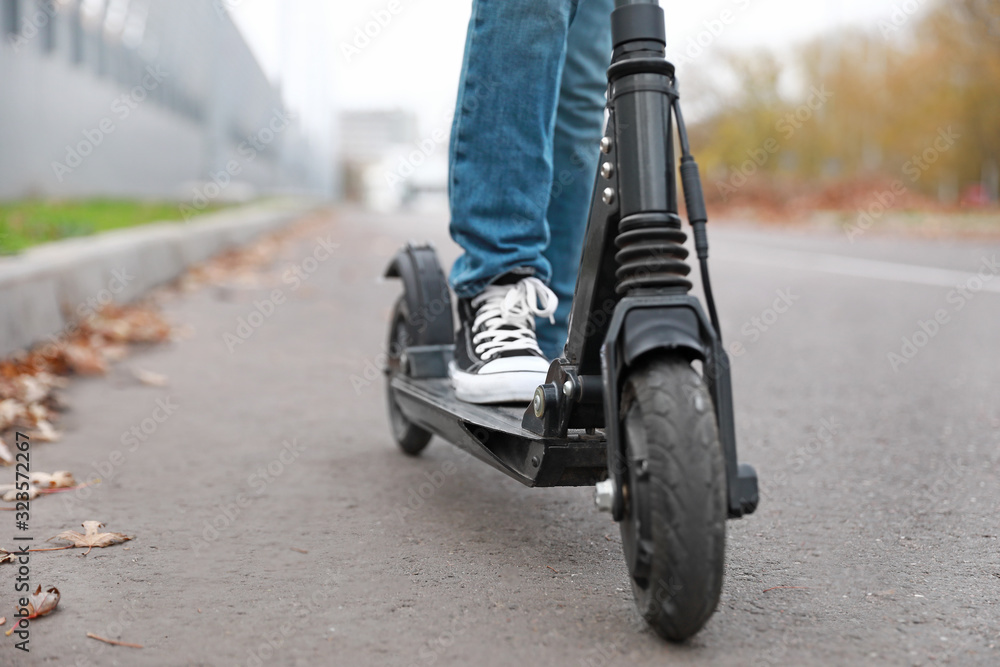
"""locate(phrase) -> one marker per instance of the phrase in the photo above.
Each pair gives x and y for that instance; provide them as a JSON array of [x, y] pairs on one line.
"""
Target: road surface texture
[[275, 522]]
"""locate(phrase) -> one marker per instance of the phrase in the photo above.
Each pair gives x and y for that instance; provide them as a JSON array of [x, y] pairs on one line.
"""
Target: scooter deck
[[493, 434]]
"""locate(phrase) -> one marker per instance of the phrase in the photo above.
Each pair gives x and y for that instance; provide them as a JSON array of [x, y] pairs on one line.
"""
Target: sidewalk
[[45, 288]]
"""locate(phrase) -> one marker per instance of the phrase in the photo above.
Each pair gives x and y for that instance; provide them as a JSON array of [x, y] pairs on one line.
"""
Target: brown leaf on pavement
[[29, 389], [132, 325], [114, 642], [84, 360], [60, 479], [10, 492], [11, 411], [91, 538], [114, 352], [43, 604], [28, 379], [149, 377], [6, 456], [6, 557], [44, 432], [39, 604]]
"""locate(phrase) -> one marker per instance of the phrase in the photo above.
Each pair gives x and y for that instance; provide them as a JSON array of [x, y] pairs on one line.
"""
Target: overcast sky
[[414, 60]]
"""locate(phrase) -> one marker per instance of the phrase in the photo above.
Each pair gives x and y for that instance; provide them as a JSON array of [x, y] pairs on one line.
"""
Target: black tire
[[411, 438], [673, 531]]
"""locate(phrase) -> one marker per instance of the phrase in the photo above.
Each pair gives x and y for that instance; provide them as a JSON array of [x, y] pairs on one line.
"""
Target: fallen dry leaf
[[29, 379], [115, 352], [10, 411], [37, 412], [6, 557], [92, 538], [6, 456], [84, 360], [3, 620], [114, 642], [51, 380], [10, 492], [132, 325], [96, 480], [183, 332], [44, 432], [149, 377], [43, 604], [114, 330], [30, 389], [39, 604], [60, 479]]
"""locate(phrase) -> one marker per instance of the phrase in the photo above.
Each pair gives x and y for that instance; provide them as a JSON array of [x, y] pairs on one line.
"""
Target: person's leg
[[500, 155], [578, 130]]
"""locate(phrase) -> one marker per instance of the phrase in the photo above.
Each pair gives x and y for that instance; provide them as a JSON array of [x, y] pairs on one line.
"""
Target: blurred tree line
[[915, 99]]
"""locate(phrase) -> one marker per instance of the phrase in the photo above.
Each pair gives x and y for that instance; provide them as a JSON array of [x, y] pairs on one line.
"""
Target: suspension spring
[[651, 253]]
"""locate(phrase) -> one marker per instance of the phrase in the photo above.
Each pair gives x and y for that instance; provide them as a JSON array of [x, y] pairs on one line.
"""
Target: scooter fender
[[671, 322], [428, 298], [642, 324], [661, 328]]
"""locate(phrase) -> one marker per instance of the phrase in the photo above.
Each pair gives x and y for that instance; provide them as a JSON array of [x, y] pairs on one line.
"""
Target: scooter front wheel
[[673, 529], [411, 438]]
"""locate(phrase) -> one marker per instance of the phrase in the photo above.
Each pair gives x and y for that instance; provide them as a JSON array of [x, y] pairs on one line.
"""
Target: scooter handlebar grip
[[638, 22]]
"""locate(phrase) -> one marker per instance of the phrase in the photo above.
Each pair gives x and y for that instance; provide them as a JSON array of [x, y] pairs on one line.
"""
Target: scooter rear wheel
[[411, 438], [673, 531]]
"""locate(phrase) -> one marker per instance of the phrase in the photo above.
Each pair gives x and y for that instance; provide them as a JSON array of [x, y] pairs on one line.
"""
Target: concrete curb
[[47, 287]]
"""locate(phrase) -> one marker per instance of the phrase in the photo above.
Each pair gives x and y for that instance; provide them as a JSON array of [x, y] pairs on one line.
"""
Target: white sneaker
[[497, 358]]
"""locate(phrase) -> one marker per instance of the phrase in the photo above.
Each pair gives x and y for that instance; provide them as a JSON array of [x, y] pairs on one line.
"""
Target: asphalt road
[[269, 508]]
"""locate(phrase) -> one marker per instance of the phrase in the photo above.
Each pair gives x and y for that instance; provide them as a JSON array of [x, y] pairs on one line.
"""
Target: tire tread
[[687, 492]]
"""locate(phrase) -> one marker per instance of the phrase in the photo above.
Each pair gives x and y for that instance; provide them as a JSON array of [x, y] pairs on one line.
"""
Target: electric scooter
[[640, 404]]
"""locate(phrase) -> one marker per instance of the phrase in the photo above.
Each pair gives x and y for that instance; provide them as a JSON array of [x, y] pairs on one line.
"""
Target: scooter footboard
[[493, 434]]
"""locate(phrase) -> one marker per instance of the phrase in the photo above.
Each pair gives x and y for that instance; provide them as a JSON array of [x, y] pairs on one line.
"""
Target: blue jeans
[[524, 144]]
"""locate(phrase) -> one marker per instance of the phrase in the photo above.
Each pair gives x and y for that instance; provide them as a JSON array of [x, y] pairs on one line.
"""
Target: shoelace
[[507, 314]]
